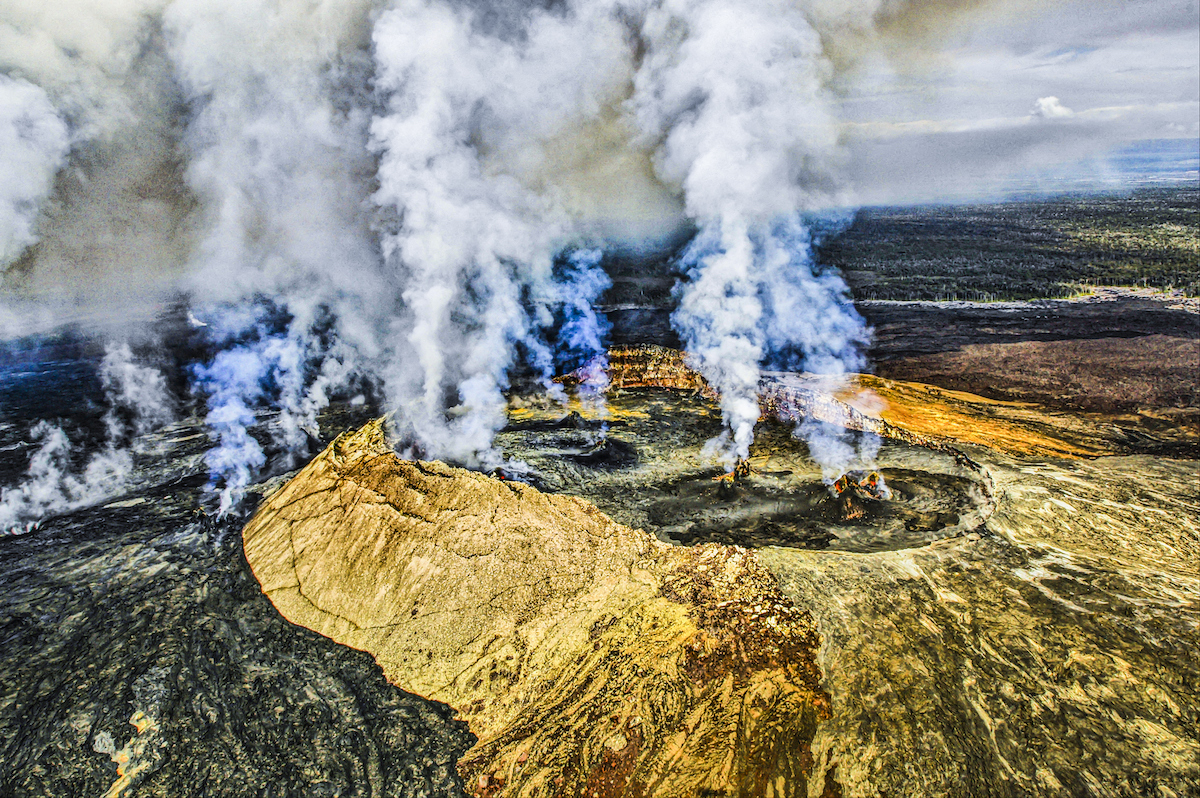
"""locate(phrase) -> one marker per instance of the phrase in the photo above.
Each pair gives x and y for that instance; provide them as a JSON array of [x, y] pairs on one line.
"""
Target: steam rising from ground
[[367, 197], [33, 146], [741, 104], [581, 336], [138, 402], [756, 294]]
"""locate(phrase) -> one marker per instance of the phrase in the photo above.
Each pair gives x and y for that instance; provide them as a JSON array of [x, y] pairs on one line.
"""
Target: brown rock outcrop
[[914, 414], [653, 366], [588, 657]]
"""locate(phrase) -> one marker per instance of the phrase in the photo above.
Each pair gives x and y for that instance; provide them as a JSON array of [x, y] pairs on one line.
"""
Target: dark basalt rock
[[140, 657], [608, 453]]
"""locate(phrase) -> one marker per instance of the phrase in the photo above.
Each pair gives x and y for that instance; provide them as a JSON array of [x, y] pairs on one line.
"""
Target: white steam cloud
[[581, 336], [756, 295], [51, 486], [138, 399], [411, 195], [138, 403], [278, 162], [474, 245], [381, 193], [33, 146], [1051, 108], [742, 106]]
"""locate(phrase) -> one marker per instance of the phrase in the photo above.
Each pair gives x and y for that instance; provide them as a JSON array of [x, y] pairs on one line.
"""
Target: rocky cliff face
[[588, 657]]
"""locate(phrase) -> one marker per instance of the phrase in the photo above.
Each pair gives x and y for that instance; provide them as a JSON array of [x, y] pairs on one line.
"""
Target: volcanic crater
[[615, 614], [641, 459]]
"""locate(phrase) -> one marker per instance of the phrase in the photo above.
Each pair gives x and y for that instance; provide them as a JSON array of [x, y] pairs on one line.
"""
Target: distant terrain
[[1084, 303], [1032, 249]]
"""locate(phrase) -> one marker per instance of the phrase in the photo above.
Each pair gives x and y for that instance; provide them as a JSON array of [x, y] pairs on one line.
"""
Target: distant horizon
[[1145, 164]]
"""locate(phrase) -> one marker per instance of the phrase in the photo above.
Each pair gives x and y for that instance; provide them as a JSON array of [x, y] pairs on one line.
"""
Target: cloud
[[33, 146], [1050, 108], [957, 159]]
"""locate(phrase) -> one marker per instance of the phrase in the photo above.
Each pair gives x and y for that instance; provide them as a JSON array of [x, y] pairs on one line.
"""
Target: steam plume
[[376, 192], [138, 398], [278, 162], [741, 104], [138, 402], [33, 145], [475, 245], [581, 337], [408, 233], [50, 486]]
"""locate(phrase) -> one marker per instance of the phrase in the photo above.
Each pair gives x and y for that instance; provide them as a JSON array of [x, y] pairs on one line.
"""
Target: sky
[[1020, 95]]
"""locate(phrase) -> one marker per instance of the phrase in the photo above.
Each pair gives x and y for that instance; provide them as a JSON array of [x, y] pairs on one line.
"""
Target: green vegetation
[[1032, 249]]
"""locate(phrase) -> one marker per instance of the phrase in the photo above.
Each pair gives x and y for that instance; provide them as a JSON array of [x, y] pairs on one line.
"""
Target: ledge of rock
[[587, 657]]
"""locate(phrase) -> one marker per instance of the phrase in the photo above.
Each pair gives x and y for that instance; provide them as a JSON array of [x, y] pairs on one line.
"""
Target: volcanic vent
[[643, 461], [578, 646]]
